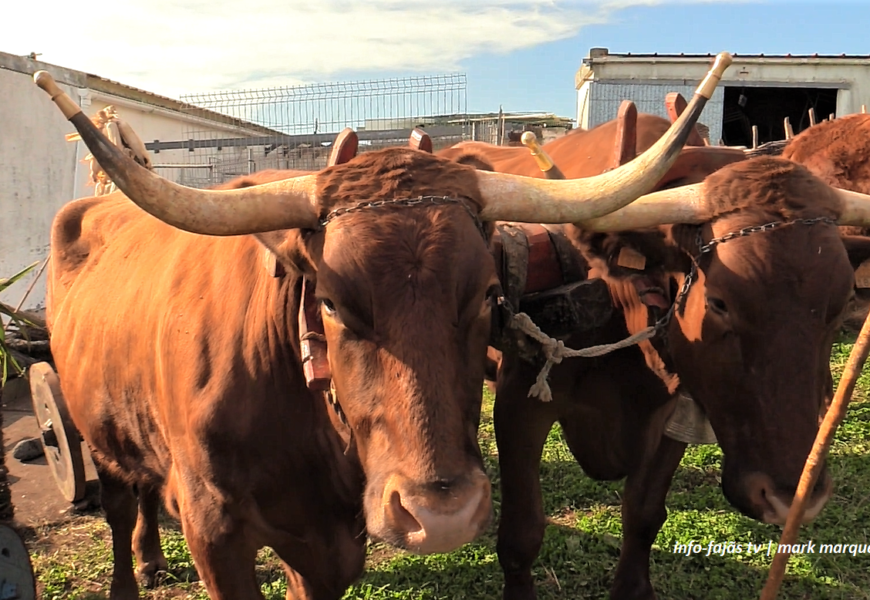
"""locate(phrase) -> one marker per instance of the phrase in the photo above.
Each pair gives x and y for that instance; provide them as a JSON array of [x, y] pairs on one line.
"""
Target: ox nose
[[773, 505], [439, 516]]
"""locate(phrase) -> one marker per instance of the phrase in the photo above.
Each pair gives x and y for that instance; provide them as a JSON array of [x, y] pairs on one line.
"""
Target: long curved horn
[[856, 208], [687, 204], [278, 205], [533, 200], [684, 204]]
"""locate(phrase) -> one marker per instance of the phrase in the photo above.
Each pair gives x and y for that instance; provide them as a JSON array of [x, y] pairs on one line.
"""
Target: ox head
[[405, 297], [751, 335]]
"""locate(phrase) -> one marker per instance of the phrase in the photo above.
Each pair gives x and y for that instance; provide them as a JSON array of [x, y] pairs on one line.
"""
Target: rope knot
[[555, 350]]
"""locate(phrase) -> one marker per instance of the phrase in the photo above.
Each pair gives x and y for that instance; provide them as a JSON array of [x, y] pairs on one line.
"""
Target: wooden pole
[[789, 132], [815, 460], [754, 137], [812, 113]]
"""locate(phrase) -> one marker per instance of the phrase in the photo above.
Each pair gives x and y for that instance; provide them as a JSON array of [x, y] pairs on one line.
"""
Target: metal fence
[[294, 127]]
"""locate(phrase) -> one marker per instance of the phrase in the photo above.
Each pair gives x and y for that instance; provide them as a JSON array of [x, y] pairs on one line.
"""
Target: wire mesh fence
[[293, 127]]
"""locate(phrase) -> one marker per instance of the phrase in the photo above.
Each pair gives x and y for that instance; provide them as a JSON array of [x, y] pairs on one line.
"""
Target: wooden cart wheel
[[16, 572], [60, 438]]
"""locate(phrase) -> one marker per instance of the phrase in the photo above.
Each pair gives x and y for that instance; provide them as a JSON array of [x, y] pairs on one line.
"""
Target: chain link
[[703, 249], [407, 202]]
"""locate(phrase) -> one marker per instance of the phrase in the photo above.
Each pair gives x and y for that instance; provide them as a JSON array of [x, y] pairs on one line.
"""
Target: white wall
[[40, 171], [37, 176]]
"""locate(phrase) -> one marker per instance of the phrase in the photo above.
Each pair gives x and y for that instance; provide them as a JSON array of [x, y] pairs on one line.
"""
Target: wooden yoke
[[344, 147], [676, 104], [626, 135], [312, 341], [420, 140]]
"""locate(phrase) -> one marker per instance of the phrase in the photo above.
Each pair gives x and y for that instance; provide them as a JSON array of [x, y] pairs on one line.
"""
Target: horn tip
[[720, 64], [46, 82], [529, 139]]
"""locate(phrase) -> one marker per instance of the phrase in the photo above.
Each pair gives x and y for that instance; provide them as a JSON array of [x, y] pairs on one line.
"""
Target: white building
[[41, 171], [755, 90]]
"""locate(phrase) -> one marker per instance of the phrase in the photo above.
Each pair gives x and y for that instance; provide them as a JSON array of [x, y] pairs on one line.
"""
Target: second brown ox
[[750, 338]]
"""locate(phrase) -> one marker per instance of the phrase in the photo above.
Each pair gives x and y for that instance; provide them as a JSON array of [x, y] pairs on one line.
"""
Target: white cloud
[[176, 46]]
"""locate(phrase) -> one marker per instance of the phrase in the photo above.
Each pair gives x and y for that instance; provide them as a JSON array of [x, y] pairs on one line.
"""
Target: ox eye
[[717, 305], [328, 306]]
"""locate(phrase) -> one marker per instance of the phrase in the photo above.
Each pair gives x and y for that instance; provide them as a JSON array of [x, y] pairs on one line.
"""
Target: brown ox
[[580, 153], [750, 340], [180, 356], [838, 153]]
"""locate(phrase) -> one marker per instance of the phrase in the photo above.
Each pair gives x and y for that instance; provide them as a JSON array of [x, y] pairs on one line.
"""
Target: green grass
[[581, 547]]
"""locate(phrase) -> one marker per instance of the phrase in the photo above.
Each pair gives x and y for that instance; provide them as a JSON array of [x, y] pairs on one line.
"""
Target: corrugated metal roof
[[599, 53]]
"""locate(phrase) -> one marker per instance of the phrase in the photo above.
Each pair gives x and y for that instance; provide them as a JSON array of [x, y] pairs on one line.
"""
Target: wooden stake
[[754, 137], [815, 460], [789, 132], [812, 112]]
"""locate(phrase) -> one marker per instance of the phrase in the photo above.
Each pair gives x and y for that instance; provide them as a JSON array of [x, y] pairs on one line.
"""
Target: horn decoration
[[542, 159]]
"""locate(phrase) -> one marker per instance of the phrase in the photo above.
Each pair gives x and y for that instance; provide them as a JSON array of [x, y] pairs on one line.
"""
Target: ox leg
[[521, 428], [643, 514], [225, 558], [119, 504], [146, 537], [327, 564]]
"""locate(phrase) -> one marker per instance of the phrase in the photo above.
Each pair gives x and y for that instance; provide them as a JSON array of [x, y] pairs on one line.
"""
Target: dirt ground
[[35, 494]]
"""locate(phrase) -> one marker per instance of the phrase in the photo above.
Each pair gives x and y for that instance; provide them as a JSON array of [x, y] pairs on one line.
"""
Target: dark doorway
[[767, 108]]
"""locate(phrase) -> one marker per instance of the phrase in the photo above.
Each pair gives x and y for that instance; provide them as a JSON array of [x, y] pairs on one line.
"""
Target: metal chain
[[407, 202], [703, 249]]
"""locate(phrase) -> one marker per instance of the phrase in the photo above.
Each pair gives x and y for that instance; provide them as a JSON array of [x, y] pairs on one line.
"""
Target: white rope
[[554, 350]]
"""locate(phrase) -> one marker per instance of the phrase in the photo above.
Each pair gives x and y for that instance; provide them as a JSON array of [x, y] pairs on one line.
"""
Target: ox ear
[[292, 249], [858, 249], [474, 159]]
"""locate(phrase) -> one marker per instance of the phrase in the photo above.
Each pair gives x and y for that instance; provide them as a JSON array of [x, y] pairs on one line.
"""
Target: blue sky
[[521, 55], [542, 78]]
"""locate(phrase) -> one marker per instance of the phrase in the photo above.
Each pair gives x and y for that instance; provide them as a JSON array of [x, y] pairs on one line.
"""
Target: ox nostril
[[760, 492], [400, 516]]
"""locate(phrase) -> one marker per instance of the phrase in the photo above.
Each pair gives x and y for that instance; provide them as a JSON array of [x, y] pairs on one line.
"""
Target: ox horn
[[856, 208], [687, 204], [533, 200], [542, 159], [278, 205]]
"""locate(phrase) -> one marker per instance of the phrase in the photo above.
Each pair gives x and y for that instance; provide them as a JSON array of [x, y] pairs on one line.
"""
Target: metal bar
[[319, 138], [182, 166]]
